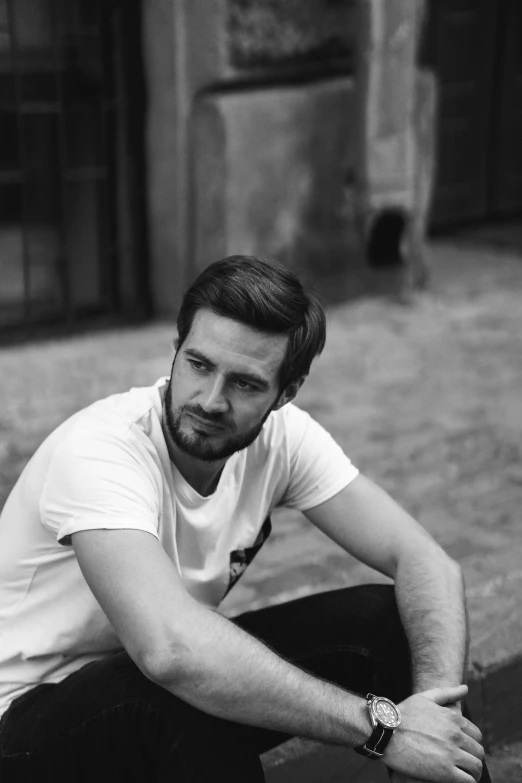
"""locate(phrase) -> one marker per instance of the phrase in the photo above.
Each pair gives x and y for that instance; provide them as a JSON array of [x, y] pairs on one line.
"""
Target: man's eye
[[196, 365], [245, 385]]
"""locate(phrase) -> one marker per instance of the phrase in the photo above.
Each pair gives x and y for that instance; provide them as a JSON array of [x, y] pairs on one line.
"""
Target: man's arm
[[201, 656], [366, 522], [429, 588], [209, 662]]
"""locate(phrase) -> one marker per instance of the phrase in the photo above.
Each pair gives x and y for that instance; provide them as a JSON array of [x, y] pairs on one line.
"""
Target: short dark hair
[[265, 296]]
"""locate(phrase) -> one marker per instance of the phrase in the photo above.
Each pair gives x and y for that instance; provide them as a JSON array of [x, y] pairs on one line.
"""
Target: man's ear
[[289, 393]]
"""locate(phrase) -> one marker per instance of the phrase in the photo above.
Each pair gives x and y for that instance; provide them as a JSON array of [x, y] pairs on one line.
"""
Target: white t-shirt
[[108, 467]]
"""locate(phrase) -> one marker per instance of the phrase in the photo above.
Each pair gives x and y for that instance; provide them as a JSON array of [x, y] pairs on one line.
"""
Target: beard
[[201, 445]]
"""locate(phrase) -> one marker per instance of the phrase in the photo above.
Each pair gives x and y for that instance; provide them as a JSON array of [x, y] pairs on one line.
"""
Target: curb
[[495, 701]]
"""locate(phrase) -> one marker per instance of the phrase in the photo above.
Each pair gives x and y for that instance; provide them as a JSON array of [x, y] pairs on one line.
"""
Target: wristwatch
[[385, 717]]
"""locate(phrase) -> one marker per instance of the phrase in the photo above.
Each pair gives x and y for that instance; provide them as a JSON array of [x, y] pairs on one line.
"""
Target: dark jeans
[[108, 722]]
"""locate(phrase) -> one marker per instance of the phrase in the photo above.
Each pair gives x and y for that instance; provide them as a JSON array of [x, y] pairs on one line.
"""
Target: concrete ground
[[425, 398]]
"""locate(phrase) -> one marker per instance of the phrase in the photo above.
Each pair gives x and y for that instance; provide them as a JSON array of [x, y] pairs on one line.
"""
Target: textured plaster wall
[[166, 121], [239, 160], [270, 177], [253, 126]]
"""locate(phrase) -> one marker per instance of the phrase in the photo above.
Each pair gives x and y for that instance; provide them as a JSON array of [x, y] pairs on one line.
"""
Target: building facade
[[143, 139]]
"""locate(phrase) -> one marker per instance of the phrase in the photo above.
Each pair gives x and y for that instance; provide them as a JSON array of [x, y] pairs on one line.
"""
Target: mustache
[[197, 410]]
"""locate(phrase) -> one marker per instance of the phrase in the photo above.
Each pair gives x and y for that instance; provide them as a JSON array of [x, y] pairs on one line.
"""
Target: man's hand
[[434, 743]]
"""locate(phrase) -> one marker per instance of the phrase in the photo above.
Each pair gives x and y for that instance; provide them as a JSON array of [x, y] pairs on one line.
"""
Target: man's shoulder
[[122, 410], [128, 418], [127, 408], [288, 419], [284, 427]]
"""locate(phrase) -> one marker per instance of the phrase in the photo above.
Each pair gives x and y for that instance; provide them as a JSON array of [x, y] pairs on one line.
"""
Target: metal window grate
[[68, 225]]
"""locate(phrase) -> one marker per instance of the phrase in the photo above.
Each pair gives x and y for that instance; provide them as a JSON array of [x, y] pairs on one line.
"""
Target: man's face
[[223, 385]]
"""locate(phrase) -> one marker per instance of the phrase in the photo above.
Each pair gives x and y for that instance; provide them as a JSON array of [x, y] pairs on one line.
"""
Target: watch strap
[[376, 743]]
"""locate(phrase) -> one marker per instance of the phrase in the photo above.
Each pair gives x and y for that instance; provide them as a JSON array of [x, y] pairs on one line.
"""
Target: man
[[133, 520]]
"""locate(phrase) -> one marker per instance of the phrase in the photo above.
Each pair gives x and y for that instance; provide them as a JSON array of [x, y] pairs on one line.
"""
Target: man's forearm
[[431, 601], [223, 671], [227, 673]]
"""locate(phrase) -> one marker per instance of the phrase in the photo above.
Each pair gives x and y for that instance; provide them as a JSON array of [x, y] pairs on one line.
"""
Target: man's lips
[[204, 423]]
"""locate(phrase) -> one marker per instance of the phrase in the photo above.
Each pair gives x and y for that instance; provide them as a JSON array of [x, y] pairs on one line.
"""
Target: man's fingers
[[471, 746], [470, 764], [464, 777], [398, 778], [471, 730], [445, 696]]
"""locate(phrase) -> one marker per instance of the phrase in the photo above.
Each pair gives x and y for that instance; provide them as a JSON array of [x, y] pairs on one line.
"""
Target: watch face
[[386, 712]]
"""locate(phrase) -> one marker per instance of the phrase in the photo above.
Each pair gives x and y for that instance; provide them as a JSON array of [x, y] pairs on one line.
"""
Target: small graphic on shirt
[[240, 559]]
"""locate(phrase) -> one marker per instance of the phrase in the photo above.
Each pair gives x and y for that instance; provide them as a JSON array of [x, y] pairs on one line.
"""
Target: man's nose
[[214, 398]]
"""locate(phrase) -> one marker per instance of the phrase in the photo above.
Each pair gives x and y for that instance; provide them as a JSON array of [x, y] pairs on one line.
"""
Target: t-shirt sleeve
[[99, 480], [319, 468]]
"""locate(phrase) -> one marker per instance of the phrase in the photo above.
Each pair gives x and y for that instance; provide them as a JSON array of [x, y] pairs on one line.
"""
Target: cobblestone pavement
[[425, 398]]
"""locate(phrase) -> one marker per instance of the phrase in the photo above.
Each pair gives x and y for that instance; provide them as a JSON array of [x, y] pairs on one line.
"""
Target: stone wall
[[270, 176], [254, 138]]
